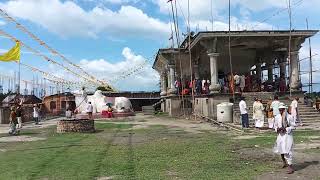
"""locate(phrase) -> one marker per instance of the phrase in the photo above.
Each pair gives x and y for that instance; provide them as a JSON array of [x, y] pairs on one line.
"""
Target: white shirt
[[242, 81], [35, 112], [243, 107], [284, 143], [275, 107], [294, 106], [237, 79], [89, 108]]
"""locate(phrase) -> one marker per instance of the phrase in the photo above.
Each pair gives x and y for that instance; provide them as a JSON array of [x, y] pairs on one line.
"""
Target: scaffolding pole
[[310, 62]]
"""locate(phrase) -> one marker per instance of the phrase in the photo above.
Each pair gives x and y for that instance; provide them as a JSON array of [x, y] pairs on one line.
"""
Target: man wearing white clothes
[[237, 80], [284, 125], [258, 113], [294, 110], [90, 110], [244, 113], [242, 83], [275, 106], [36, 114], [19, 116]]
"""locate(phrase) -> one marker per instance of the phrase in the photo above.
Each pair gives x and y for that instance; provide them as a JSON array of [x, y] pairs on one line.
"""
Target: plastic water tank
[[225, 112]]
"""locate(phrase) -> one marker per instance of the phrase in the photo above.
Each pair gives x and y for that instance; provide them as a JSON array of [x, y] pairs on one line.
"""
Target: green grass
[[112, 126], [268, 139], [117, 150]]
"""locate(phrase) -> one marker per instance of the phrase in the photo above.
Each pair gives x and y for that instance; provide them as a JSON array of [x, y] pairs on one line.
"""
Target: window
[[53, 105], [63, 104]]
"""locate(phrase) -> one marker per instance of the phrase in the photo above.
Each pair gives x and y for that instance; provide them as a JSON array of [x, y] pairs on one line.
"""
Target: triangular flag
[[12, 55]]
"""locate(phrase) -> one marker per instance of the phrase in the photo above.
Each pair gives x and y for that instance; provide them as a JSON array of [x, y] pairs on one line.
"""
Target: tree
[[104, 88]]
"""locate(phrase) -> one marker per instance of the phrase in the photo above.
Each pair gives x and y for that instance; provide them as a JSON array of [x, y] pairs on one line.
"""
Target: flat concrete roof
[[261, 33]]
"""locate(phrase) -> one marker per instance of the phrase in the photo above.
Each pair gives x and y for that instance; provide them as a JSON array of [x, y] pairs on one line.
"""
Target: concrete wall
[[163, 106], [207, 106], [4, 115], [173, 106], [27, 114]]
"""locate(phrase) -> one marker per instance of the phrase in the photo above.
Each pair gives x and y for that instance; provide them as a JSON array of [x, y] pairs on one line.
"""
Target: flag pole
[[19, 78]]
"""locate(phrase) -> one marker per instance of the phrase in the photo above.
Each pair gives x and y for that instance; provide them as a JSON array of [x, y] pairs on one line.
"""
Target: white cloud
[[201, 9], [236, 25], [2, 23], [145, 79], [121, 1], [68, 19]]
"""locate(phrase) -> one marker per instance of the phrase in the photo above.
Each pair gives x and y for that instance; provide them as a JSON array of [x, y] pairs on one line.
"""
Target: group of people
[[253, 83], [197, 85], [232, 83], [89, 110], [16, 118], [270, 112], [281, 118]]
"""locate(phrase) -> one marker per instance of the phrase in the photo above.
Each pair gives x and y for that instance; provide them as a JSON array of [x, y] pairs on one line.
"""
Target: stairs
[[308, 115], [148, 110]]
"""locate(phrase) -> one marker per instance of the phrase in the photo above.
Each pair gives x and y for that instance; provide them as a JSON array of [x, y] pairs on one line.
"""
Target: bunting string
[[42, 43]]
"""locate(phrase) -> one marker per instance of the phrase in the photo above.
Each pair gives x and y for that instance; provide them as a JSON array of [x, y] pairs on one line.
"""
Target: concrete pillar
[[259, 72], [270, 72], [215, 86], [294, 67], [196, 71], [163, 84], [283, 69], [172, 90], [168, 80]]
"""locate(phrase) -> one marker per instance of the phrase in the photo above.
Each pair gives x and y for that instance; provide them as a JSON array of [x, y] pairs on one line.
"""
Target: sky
[[109, 38]]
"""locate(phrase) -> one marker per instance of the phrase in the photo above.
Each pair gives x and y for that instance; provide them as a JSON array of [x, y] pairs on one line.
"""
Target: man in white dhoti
[[294, 111], [284, 125], [258, 115], [275, 106]]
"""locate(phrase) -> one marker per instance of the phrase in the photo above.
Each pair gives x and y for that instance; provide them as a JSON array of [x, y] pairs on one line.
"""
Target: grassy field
[[120, 152]]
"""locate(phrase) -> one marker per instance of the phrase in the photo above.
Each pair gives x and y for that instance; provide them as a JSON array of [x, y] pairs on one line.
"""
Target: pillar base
[[172, 91], [295, 86], [214, 88], [163, 93]]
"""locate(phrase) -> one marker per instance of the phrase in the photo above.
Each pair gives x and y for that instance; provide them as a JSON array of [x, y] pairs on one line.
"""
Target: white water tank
[[225, 112]]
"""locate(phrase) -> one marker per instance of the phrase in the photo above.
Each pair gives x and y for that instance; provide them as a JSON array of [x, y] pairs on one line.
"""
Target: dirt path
[[140, 121], [4, 128], [307, 167]]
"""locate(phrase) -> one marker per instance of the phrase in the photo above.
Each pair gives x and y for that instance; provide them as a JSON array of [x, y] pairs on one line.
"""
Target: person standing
[[284, 125], [90, 110], [36, 114], [269, 114], [13, 122], [19, 116], [198, 87], [275, 106], [294, 110], [242, 83], [237, 80], [258, 114], [244, 113]]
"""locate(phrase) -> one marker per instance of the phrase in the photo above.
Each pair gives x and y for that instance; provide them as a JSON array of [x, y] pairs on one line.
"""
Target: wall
[[61, 103], [174, 106], [207, 106], [27, 114]]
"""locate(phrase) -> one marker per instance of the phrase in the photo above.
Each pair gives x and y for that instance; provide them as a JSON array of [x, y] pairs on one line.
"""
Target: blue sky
[[110, 37]]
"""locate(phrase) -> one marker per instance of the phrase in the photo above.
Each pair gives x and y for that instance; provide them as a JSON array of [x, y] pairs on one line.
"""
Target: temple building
[[252, 54]]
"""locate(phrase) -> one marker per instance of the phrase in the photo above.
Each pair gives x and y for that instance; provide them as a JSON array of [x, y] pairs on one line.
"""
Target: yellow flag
[[12, 55]]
